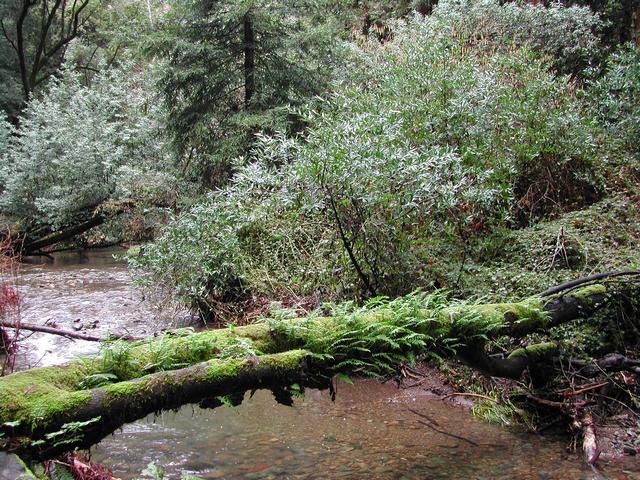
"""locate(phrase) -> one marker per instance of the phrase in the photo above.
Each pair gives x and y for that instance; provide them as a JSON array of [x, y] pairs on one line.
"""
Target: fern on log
[[45, 411]]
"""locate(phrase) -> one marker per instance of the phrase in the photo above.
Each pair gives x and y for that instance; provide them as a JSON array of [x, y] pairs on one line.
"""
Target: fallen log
[[82, 418], [35, 241], [30, 247], [613, 362], [167, 371], [590, 279]]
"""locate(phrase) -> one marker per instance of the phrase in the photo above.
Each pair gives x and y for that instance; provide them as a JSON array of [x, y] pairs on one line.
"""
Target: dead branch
[[589, 279], [65, 333]]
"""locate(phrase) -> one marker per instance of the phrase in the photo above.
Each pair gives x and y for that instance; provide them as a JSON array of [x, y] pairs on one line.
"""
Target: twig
[[548, 403], [417, 384], [618, 401], [590, 278], [477, 395], [423, 415], [413, 370], [432, 427], [586, 388], [452, 435]]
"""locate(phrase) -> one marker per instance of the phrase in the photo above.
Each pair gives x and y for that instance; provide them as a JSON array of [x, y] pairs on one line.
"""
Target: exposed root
[[584, 427]]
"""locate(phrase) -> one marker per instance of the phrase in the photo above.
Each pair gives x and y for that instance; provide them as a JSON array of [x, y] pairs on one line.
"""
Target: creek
[[368, 432]]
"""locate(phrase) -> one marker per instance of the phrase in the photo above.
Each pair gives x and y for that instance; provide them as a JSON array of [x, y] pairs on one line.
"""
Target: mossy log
[[65, 419], [47, 410]]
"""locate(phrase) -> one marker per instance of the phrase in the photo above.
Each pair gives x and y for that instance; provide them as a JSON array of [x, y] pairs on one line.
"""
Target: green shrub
[[447, 136], [615, 97], [603, 237], [79, 145], [568, 35]]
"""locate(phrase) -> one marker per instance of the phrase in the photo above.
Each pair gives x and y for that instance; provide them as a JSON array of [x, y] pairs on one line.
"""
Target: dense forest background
[[317, 150]]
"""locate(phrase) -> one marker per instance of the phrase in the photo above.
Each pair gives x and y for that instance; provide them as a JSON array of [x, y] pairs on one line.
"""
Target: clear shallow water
[[367, 433], [89, 292]]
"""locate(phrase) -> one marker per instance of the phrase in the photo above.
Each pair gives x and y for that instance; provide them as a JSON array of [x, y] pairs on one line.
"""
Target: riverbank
[[261, 439]]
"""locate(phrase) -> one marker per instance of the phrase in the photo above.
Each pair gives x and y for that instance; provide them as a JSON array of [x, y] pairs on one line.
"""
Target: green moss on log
[[122, 389], [179, 351], [223, 369], [36, 409], [588, 293], [35, 395], [47, 390], [289, 360], [535, 352], [38, 395], [468, 321]]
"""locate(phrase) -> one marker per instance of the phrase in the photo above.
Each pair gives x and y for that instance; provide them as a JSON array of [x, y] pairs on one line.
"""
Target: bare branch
[[6, 35], [47, 21]]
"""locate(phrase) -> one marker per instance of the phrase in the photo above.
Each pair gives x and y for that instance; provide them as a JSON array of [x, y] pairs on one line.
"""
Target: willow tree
[[80, 155], [232, 69]]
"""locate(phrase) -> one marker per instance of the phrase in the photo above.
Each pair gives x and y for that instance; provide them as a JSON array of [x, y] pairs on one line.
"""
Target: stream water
[[368, 432]]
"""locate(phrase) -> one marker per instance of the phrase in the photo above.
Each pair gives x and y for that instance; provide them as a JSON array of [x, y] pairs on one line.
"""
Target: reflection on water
[[367, 433]]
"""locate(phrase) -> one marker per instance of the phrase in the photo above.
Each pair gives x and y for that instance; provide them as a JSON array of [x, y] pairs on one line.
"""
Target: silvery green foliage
[[5, 135], [568, 34], [200, 253], [75, 143], [617, 95], [440, 143]]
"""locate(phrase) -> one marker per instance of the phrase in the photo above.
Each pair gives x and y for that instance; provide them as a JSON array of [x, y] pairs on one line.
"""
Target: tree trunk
[[29, 244], [105, 409], [20, 48], [32, 247], [249, 59]]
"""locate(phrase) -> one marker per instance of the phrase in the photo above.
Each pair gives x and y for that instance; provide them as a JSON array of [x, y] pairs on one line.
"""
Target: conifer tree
[[233, 68]]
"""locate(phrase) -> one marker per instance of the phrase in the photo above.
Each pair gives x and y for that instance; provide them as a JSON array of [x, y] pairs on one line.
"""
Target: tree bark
[[45, 49], [91, 217], [67, 234], [249, 59], [20, 50], [106, 409]]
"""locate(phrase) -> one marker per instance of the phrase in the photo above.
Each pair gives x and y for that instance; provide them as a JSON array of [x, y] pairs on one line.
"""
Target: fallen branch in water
[[66, 333], [476, 395]]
